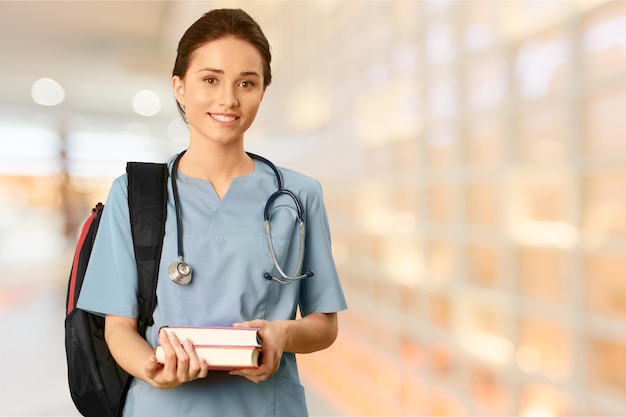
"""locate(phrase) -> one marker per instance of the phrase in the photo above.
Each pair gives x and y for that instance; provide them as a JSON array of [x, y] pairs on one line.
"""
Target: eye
[[246, 84], [210, 80]]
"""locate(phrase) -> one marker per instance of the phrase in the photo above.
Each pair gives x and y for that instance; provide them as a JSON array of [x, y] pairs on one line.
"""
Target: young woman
[[219, 78]]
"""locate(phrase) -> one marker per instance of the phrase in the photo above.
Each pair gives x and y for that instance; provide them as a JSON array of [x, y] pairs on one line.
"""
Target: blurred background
[[472, 155]]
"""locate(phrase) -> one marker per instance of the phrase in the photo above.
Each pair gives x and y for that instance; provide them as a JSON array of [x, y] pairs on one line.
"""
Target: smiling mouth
[[222, 118]]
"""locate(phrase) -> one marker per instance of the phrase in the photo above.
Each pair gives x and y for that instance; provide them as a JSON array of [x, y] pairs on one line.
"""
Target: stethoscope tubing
[[179, 222], [180, 272]]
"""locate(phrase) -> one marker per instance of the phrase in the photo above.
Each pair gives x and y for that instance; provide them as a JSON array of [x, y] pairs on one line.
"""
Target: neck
[[216, 164]]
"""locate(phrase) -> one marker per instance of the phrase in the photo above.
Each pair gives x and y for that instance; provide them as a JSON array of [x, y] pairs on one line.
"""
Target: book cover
[[223, 357], [217, 336]]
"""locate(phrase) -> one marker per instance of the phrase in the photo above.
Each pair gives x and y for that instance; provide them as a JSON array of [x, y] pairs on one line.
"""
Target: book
[[224, 348], [217, 336], [222, 357]]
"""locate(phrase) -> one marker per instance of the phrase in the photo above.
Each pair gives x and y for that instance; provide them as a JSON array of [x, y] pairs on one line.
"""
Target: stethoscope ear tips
[[287, 280]]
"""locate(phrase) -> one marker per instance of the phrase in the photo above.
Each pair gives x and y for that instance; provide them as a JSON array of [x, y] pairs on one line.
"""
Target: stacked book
[[224, 348]]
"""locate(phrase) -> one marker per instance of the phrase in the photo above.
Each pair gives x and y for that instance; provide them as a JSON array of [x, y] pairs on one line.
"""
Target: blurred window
[[543, 399], [540, 197], [605, 287], [442, 145], [605, 124], [442, 96], [486, 81], [483, 205], [93, 154], [440, 200], [485, 140], [29, 150], [542, 131], [484, 265], [482, 328], [541, 65], [489, 390], [604, 204], [551, 341], [441, 263], [440, 42], [605, 366], [542, 274], [480, 26], [440, 310], [604, 41]]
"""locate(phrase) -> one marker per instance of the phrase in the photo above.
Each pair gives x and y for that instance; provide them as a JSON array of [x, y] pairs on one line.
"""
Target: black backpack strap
[[147, 203]]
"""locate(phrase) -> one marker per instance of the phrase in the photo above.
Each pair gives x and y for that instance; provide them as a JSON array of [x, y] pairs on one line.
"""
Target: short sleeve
[[322, 292], [110, 284]]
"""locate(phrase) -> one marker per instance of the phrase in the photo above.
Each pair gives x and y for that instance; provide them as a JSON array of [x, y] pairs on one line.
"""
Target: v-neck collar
[[205, 191]]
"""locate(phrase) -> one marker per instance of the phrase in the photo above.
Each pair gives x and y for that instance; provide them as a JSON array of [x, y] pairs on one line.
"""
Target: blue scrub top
[[226, 245]]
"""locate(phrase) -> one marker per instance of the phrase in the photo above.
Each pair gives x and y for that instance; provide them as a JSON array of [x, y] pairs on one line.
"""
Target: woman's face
[[222, 90]]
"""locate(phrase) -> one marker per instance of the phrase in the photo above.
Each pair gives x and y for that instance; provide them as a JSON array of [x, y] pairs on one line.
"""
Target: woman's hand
[[274, 339], [314, 332], [181, 363]]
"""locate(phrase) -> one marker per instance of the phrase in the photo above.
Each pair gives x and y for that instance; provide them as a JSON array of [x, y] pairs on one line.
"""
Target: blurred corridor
[[473, 159]]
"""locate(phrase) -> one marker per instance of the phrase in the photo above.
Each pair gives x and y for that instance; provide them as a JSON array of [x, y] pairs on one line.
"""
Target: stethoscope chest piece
[[180, 272]]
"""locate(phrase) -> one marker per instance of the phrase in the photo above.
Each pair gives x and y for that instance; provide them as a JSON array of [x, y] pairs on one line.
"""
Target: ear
[[178, 86]]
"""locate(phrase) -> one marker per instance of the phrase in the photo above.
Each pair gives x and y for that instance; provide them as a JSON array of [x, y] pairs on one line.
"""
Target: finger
[[239, 372], [204, 368], [194, 362], [182, 358], [253, 376], [251, 323], [152, 367], [258, 374], [169, 362]]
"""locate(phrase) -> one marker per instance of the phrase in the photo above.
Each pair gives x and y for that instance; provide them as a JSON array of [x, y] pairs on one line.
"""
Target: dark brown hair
[[217, 24]]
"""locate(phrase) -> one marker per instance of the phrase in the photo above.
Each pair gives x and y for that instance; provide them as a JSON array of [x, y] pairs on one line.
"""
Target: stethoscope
[[180, 271]]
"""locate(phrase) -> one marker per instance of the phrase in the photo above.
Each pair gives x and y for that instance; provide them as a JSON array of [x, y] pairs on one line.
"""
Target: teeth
[[222, 118]]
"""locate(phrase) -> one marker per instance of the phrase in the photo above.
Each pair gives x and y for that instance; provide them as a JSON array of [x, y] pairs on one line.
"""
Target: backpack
[[98, 385]]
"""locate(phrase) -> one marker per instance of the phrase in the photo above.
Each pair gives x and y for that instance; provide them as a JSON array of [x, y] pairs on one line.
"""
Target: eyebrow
[[219, 71]]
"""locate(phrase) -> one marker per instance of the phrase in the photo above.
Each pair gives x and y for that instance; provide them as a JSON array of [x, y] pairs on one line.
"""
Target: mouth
[[223, 118]]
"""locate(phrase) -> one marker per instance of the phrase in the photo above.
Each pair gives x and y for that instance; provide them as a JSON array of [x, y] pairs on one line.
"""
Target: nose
[[228, 97]]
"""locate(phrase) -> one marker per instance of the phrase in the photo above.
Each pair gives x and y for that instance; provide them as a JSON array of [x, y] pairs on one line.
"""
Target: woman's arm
[[317, 331], [137, 358], [309, 334]]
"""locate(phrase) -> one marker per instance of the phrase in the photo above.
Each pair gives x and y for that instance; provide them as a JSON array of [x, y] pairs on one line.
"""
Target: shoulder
[[299, 182], [306, 188], [119, 188]]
